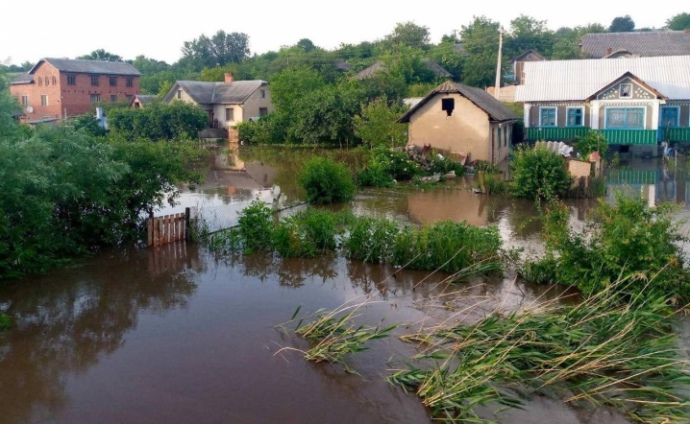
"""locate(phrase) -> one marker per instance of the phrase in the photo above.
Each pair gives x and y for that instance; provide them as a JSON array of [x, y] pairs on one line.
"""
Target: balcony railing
[[612, 136]]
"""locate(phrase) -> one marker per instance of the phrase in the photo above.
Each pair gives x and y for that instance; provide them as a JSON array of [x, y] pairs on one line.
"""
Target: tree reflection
[[66, 322]]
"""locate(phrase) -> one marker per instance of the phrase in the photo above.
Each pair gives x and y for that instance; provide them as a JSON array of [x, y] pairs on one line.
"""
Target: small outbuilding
[[463, 121]]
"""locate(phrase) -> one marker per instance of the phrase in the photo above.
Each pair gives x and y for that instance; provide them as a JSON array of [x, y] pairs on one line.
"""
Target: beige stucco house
[[228, 103], [462, 120]]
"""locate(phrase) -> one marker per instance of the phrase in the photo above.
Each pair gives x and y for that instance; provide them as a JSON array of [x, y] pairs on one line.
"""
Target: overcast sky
[[157, 29]]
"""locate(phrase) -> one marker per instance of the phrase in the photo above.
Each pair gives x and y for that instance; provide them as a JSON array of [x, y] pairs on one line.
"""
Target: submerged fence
[[168, 229]]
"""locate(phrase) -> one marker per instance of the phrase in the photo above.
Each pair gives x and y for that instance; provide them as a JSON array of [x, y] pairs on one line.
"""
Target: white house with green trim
[[632, 101]]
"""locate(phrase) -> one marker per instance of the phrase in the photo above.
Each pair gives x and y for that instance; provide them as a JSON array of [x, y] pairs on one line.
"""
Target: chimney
[[608, 52], [229, 78]]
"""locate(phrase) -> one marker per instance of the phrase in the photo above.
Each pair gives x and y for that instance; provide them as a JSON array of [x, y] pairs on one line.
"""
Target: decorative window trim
[[555, 120], [567, 116]]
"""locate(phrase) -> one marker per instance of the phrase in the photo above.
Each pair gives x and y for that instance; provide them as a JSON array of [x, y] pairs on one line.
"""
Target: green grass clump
[[5, 322], [309, 233], [601, 352]]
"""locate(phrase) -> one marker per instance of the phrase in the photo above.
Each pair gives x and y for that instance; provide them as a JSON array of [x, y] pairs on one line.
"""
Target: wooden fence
[[167, 229]]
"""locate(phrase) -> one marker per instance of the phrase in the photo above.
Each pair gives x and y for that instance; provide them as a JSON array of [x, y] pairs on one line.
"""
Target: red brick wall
[[70, 99]]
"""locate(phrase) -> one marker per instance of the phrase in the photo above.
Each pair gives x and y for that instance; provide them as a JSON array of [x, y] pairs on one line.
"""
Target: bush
[[626, 240], [256, 227], [377, 124], [592, 142], [386, 165], [539, 174], [326, 182], [159, 121]]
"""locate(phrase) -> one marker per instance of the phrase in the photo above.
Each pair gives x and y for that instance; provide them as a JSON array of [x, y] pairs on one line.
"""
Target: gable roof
[[208, 93], [623, 77], [528, 52], [496, 110], [650, 43], [145, 98], [568, 80], [89, 66], [434, 67]]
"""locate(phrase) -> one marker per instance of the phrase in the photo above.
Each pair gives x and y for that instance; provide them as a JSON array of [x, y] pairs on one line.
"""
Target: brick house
[[56, 88]]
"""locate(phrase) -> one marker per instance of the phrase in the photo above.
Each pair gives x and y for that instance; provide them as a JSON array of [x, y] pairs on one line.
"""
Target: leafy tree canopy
[[679, 22], [408, 34], [622, 24], [218, 50], [103, 55]]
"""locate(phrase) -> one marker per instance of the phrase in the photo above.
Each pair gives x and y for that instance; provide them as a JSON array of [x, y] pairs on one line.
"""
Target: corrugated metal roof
[[562, 80], [650, 43], [496, 110], [90, 66], [209, 93]]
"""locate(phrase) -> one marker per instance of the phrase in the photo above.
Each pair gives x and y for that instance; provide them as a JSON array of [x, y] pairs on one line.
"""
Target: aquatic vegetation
[[334, 334], [600, 352], [626, 239], [539, 174], [308, 233], [326, 181]]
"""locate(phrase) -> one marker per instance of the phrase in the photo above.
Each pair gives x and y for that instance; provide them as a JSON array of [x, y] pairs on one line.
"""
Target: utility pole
[[497, 88]]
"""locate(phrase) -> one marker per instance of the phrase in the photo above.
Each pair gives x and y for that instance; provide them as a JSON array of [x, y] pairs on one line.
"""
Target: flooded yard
[[179, 335]]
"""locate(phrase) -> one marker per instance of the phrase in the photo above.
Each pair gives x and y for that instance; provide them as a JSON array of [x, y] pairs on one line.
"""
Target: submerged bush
[[326, 181], [539, 174], [629, 238], [256, 227], [306, 234]]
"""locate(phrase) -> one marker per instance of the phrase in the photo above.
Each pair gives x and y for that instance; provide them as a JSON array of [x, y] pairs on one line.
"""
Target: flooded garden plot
[[182, 334]]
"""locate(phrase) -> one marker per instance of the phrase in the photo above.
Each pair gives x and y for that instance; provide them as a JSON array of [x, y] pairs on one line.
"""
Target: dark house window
[[54, 80], [263, 111], [71, 80], [95, 99], [263, 94], [626, 90], [179, 94], [94, 81], [25, 101], [130, 82], [113, 81], [40, 81], [448, 105], [47, 81], [229, 114]]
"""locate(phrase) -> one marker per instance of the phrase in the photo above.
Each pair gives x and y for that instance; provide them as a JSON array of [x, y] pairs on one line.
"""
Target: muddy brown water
[[178, 335]]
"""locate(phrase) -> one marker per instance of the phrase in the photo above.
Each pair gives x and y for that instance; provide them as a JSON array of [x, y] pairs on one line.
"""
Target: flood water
[[178, 335]]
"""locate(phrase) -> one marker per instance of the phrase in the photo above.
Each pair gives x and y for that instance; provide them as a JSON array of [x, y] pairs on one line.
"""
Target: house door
[[669, 117]]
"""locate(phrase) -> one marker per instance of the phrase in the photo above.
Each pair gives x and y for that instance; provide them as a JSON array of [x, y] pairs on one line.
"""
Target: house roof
[[628, 75], [89, 66], [23, 78], [369, 72], [208, 93], [563, 80], [145, 98], [496, 110], [651, 43], [530, 51]]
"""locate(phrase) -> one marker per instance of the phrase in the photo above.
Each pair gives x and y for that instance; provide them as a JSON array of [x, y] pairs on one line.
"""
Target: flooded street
[[178, 335]]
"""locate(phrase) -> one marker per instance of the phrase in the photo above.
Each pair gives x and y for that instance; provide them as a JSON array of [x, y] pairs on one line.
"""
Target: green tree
[[158, 121], [408, 34], [407, 63], [539, 174], [306, 45], [218, 50], [679, 22], [377, 124], [622, 24], [480, 44], [149, 66], [529, 33], [291, 85], [103, 55]]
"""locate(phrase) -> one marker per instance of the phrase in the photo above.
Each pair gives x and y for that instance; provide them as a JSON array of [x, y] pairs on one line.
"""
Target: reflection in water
[[67, 325]]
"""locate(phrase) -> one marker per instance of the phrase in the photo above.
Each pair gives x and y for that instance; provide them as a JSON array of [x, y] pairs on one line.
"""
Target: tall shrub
[[539, 174], [326, 181]]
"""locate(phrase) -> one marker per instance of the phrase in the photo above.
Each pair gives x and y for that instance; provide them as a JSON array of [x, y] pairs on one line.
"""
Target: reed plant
[[601, 352], [333, 334]]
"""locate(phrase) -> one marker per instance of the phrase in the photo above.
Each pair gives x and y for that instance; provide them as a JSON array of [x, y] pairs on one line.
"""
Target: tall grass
[[455, 248], [600, 352]]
